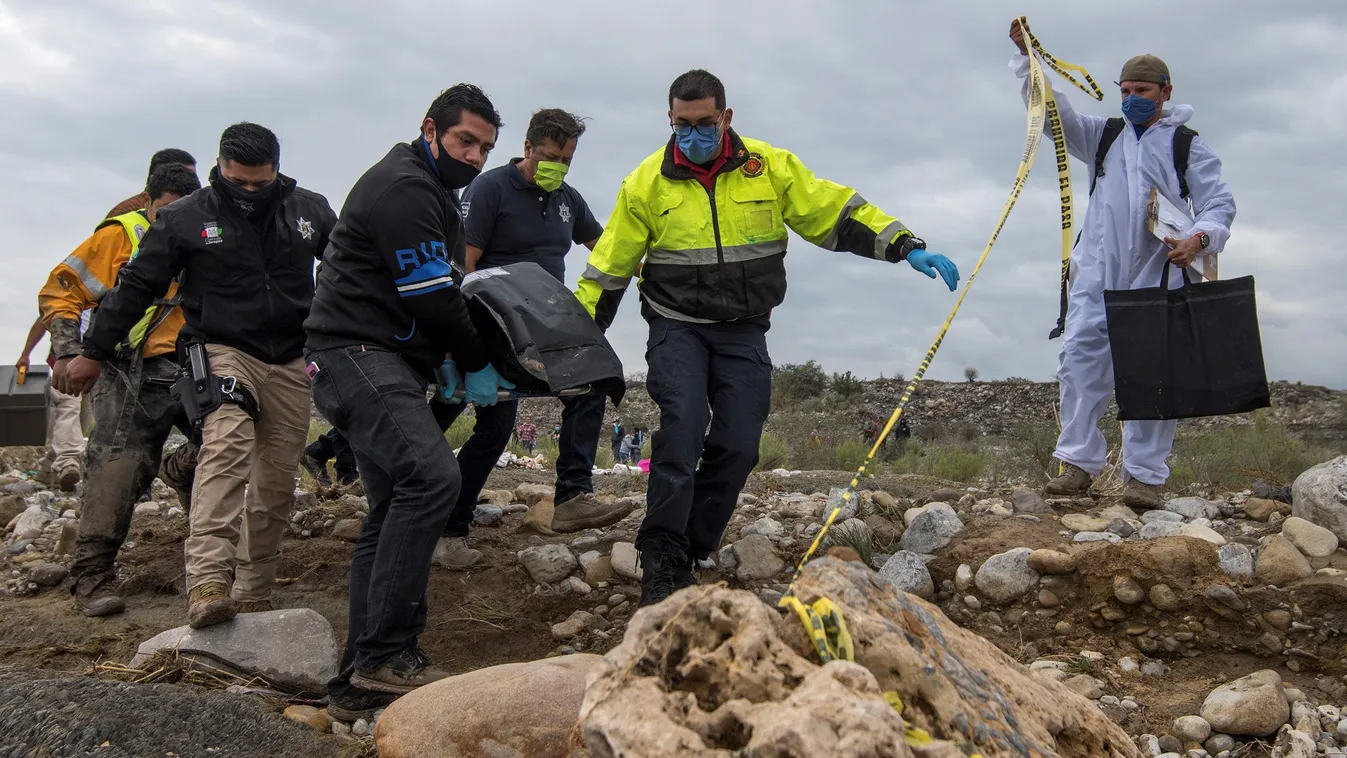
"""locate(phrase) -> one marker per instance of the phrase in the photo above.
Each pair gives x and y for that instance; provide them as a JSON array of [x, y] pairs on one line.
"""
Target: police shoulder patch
[[754, 166]]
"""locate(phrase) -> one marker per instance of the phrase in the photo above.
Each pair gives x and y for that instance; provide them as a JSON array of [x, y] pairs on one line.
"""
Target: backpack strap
[[1183, 145], [1112, 128]]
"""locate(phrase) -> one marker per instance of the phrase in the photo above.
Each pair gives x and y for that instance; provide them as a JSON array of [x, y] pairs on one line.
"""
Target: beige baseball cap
[[1145, 68]]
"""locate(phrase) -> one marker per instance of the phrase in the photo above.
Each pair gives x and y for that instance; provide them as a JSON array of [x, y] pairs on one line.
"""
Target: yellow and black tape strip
[[1042, 111]]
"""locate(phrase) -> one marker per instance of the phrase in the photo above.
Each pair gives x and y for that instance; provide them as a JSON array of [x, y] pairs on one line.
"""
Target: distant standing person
[[617, 440], [528, 436], [1115, 252]]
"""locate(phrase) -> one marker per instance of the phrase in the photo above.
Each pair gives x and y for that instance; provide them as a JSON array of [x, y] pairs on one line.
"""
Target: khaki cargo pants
[[245, 476]]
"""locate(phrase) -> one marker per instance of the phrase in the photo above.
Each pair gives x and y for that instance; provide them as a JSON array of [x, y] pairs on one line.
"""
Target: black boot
[[661, 569]]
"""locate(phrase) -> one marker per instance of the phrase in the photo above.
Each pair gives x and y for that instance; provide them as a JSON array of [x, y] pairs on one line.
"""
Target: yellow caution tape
[[1042, 109], [828, 631]]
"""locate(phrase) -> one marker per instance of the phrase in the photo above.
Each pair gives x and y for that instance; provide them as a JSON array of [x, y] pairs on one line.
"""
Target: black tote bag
[[1189, 352]]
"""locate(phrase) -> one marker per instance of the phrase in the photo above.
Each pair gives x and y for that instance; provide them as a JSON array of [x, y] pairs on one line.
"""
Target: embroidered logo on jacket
[[211, 233], [753, 167], [305, 227]]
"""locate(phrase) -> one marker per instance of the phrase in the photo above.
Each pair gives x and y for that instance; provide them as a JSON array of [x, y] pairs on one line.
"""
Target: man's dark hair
[[250, 145], [554, 124], [172, 178], [166, 156], [447, 109], [697, 84]]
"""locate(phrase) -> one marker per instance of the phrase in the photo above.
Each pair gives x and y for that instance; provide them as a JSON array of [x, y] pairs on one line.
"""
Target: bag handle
[[1164, 276]]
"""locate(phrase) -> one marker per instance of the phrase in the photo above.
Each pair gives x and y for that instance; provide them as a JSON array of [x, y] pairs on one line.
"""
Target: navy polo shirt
[[511, 220]]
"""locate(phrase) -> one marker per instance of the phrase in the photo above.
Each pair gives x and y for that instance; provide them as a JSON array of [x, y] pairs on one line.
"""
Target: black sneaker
[[357, 703], [661, 571], [316, 468], [400, 674]]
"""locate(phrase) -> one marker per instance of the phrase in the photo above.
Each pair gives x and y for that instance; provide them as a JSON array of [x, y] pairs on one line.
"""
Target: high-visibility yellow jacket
[[718, 255], [87, 274]]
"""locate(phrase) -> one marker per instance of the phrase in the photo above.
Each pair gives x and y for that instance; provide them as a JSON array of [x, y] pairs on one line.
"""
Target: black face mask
[[454, 174], [254, 204]]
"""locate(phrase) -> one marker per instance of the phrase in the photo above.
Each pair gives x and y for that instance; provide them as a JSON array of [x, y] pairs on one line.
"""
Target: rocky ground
[[1212, 626]]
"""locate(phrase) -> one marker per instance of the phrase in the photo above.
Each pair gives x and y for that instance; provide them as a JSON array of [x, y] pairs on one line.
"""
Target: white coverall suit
[[1116, 251]]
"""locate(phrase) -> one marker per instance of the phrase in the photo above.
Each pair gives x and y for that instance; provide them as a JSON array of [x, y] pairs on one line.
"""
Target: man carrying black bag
[[386, 311], [1143, 150]]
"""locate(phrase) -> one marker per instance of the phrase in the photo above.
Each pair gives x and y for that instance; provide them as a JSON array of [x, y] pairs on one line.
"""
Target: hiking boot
[[400, 674], [1143, 496], [255, 606], [316, 468], [454, 554], [70, 477], [210, 604], [1073, 481], [96, 595], [586, 512], [662, 571], [357, 703], [685, 574]]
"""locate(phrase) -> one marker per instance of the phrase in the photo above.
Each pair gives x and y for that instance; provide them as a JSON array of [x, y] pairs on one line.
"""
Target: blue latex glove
[[929, 263], [450, 379], [482, 386]]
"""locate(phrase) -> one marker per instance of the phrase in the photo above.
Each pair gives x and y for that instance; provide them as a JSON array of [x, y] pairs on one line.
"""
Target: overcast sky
[[912, 104]]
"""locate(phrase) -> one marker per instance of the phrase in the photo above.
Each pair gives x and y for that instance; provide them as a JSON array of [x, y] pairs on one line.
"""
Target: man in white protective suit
[[1115, 250]]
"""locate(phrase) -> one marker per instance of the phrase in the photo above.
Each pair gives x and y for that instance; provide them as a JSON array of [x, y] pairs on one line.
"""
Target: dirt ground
[[491, 614]]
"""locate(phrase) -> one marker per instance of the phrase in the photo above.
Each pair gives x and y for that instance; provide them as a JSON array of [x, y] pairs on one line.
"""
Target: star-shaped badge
[[305, 227]]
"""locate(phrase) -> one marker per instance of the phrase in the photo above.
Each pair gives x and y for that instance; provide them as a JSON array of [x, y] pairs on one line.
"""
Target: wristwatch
[[1204, 240], [904, 246]]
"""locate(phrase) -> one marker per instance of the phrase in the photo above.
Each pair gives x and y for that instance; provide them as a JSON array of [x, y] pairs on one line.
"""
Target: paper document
[[1165, 219]]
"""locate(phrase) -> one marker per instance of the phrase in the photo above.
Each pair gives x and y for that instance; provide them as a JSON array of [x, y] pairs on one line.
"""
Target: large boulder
[[516, 710], [294, 648], [715, 672], [1254, 705], [1280, 563], [1320, 495]]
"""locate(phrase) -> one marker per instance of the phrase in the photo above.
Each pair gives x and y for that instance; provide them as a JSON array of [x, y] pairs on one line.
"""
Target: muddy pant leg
[[282, 427], [223, 467], [114, 478]]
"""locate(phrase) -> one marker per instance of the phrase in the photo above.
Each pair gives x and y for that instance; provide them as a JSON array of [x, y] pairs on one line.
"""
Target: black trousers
[[411, 481], [699, 374], [581, 422]]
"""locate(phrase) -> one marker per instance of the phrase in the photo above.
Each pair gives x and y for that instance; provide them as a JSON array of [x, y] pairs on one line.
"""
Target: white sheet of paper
[[1169, 220]]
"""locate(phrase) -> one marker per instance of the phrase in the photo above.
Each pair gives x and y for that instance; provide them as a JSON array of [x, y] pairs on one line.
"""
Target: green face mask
[[549, 174]]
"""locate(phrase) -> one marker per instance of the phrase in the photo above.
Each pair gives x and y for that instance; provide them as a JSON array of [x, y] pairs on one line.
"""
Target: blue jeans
[[411, 481], [717, 374]]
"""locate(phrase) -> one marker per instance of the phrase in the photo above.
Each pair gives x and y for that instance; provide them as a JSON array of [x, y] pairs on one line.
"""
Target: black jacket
[[387, 279], [242, 289]]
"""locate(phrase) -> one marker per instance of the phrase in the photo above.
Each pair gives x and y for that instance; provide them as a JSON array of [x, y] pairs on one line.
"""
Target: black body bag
[[537, 333], [1188, 352]]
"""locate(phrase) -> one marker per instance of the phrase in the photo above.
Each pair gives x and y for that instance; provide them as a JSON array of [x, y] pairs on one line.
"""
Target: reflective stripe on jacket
[[90, 272], [718, 255]]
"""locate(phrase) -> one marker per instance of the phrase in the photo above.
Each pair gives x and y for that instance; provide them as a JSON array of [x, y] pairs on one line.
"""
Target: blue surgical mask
[[1138, 109], [698, 143]]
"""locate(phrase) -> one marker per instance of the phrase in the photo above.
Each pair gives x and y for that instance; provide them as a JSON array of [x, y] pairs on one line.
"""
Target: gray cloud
[[911, 104]]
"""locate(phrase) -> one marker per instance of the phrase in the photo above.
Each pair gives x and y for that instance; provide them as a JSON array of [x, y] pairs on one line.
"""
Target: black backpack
[[1183, 145]]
